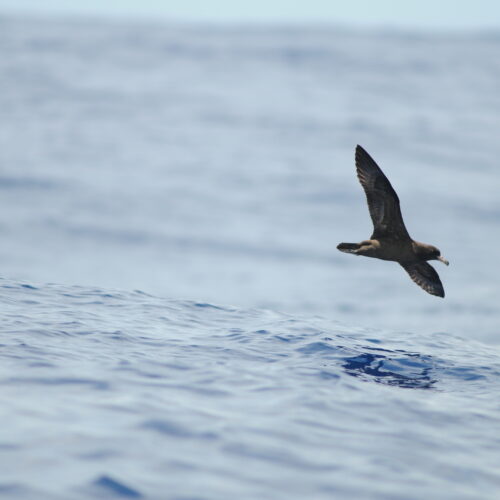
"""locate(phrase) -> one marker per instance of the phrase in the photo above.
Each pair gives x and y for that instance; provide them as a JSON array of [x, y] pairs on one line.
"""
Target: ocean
[[177, 322]]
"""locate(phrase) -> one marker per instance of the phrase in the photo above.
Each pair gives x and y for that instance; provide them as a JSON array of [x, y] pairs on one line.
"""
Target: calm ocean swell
[[214, 165], [123, 394]]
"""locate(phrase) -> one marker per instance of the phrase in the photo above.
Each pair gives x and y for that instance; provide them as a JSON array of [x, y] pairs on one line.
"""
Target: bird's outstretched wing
[[383, 202], [425, 276]]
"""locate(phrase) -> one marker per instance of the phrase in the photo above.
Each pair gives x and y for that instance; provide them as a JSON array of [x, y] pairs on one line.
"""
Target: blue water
[[127, 395], [212, 169]]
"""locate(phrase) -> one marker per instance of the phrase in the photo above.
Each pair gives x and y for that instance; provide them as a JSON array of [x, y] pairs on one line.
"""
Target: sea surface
[[106, 393], [176, 322]]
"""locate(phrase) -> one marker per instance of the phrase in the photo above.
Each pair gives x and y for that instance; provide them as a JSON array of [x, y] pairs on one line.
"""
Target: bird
[[390, 239]]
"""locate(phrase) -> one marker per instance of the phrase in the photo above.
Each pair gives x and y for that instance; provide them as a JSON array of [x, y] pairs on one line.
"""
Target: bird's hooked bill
[[443, 260]]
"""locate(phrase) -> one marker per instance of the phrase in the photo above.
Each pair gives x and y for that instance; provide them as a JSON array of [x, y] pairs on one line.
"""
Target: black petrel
[[390, 239]]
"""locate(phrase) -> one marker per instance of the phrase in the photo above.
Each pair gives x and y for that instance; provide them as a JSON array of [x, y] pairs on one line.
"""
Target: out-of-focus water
[[214, 165], [123, 394]]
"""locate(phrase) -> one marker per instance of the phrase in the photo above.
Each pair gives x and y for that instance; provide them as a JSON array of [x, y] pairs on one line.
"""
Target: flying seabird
[[390, 239]]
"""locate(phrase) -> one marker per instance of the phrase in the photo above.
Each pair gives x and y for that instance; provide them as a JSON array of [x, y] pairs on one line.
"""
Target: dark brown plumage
[[390, 239]]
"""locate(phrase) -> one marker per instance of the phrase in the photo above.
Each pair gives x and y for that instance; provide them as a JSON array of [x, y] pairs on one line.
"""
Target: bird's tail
[[348, 247]]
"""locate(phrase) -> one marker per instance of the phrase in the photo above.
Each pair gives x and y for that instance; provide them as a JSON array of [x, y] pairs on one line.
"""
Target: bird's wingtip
[[360, 152]]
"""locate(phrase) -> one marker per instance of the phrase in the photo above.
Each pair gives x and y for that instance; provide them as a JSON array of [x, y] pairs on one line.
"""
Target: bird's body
[[390, 239]]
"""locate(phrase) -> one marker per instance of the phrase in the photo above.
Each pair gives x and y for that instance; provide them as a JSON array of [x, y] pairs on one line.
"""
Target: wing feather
[[425, 276], [383, 202]]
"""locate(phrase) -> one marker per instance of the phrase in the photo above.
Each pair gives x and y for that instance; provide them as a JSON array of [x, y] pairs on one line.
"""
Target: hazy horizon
[[482, 15]]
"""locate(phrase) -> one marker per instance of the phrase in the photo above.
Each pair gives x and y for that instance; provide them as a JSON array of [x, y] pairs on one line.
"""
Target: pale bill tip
[[443, 260]]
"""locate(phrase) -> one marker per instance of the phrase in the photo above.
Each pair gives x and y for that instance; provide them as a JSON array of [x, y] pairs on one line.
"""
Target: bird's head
[[430, 252]]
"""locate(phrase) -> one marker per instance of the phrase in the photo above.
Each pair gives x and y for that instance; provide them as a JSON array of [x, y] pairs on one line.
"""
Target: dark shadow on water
[[116, 489], [396, 367], [406, 370]]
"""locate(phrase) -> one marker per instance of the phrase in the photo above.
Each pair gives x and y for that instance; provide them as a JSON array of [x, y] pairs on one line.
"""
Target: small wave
[[116, 488]]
